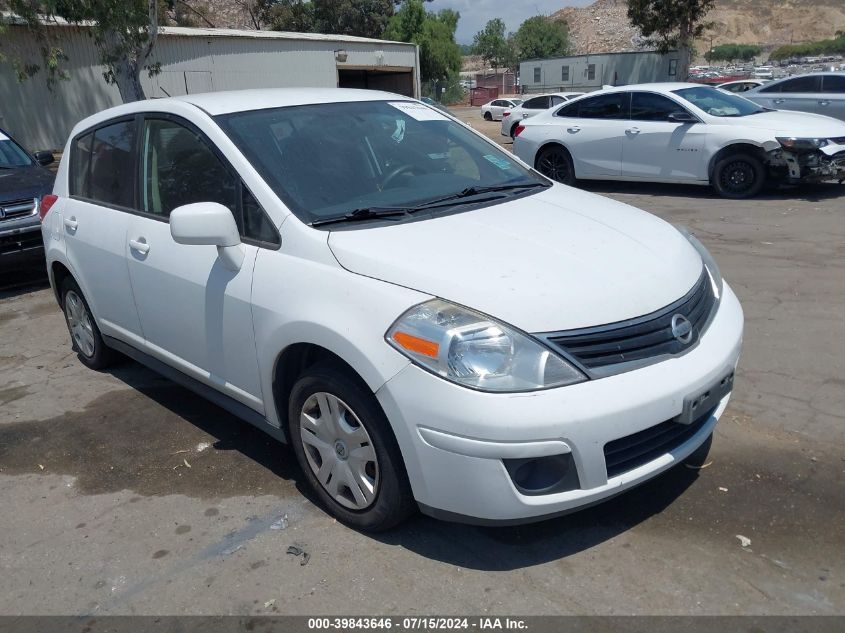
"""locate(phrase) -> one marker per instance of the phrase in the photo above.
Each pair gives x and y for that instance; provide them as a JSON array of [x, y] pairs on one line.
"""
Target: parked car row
[[682, 133]]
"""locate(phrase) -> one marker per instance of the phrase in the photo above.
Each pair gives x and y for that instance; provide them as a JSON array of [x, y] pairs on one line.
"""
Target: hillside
[[603, 26]]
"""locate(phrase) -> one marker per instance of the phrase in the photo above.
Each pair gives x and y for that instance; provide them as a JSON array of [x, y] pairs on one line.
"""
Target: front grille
[[20, 242], [627, 453], [15, 209], [646, 338]]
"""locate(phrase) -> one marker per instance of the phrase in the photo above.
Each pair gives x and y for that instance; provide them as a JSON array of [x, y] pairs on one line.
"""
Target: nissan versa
[[428, 322]]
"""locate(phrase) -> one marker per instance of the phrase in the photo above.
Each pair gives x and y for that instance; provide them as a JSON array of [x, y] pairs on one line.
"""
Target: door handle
[[633, 130], [573, 128], [71, 224], [824, 103], [139, 245], [779, 101]]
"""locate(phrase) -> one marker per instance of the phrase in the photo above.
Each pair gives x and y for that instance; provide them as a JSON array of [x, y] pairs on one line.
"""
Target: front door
[[195, 313]]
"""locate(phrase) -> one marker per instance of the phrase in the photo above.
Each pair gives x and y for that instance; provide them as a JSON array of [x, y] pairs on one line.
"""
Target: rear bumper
[[454, 440]]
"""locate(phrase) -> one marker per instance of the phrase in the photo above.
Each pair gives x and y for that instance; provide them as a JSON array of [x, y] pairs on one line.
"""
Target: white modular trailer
[[583, 73], [193, 60]]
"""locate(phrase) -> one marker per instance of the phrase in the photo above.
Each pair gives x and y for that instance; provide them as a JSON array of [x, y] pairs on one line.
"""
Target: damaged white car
[[682, 133]]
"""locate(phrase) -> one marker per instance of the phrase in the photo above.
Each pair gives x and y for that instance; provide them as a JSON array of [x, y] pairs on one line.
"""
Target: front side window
[[647, 106], [719, 103], [610, 106], [178, 168], [328, 160], [804, 83], [103, 165]]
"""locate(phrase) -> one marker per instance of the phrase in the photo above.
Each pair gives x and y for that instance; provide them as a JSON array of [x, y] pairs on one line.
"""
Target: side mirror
[[211, 224], [682, 117], [44, 158]]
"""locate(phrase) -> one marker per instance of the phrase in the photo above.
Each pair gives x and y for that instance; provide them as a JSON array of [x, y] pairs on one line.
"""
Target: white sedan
[[492, 110], [532, 106], [682, 133]]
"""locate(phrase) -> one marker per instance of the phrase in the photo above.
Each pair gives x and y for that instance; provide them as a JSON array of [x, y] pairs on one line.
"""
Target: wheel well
[[290, 365], [548, 145], [737, 148], [60, 273]]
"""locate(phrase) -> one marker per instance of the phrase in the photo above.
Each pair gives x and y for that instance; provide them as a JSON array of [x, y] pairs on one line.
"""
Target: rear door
[[832, 101], [95, 219], [655, 148], [593, 129], [535, 106], [798, 93], [195, 313]]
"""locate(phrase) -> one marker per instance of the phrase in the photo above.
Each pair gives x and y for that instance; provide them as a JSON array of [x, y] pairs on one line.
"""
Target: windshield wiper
[[365, 213], [476, 191]]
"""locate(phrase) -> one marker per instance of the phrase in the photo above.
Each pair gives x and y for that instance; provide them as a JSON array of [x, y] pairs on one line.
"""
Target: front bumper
[[453, 439], [827, 163], [20, 245]]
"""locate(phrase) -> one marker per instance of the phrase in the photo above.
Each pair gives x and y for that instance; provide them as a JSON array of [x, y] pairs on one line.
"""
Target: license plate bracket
[[698, 404]]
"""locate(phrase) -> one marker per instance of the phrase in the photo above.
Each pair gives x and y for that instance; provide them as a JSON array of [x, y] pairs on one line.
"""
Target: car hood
[[25, 182], [557, 260], [793, 123]]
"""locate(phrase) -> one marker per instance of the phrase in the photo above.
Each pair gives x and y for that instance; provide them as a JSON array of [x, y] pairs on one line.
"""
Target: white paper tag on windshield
[[3, 137], [418, 111]]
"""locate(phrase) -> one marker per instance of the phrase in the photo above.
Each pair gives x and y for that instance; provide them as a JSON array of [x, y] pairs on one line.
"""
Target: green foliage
[[491, 43], [539, 37], [670, 23], [730, 52], [363, 18], [290, 15], [811, 49], [433, 32]]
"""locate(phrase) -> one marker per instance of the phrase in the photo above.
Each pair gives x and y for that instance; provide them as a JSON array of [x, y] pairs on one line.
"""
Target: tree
[[492, 45], [124, 33], [539, 37], [290, 15], [730, 52], [433, 32], [364, 18], [671, 24]]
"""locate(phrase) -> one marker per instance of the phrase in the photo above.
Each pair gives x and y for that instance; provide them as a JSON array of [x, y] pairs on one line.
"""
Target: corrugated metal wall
[[42, 119]]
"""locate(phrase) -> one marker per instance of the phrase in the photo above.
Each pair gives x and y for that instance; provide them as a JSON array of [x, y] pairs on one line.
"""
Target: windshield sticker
[[501, 163], [399, 133], [3, 137], [418, 111]]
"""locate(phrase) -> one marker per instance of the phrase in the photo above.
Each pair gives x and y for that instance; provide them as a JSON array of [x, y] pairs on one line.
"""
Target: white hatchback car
[[682, 133], [428, 322], [528, 108]]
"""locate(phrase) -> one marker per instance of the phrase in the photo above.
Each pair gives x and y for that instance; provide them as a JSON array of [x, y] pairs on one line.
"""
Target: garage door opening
[[398, 81]]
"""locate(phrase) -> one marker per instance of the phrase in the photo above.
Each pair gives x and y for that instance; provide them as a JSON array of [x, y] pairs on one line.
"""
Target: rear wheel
[[84, 333], [556, 163], [488, 116], [739, 176], [347, 451]]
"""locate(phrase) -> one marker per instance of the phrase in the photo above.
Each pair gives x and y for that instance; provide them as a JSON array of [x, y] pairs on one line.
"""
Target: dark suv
[[23, 182]]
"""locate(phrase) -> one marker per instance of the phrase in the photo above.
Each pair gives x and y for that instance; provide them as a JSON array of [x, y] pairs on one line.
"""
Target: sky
[[476, 13]]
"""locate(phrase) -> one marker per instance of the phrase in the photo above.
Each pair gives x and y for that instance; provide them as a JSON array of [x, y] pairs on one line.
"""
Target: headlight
[[796, 144], [707, 258], [476, 351]]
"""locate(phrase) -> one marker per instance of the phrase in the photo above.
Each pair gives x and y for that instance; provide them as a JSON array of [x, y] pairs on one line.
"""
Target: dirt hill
[[603, 26]]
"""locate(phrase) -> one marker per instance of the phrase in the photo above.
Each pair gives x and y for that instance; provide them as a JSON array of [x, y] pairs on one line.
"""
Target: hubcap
[[339, 451], [738, 176], [79, 324], [555, 166]]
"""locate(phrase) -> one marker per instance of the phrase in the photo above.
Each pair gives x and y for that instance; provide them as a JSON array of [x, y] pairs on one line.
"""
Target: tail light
[[505, 114], [46, 203], [519, 129]]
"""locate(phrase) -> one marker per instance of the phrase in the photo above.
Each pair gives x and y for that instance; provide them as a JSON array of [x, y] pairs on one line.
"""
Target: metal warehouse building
[[583, 73], [192, 61]]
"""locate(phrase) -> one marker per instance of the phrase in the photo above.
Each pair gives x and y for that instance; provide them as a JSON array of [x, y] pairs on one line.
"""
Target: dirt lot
[[123, 493]]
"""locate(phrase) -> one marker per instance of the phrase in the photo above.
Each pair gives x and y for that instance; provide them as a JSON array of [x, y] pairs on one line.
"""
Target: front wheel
[[555, 162], [739, 176], [347, 451]]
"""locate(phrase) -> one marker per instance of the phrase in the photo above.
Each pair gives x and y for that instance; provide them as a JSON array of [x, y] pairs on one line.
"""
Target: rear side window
[[570, 110], [103, 165], [537, 103], [834, 84]]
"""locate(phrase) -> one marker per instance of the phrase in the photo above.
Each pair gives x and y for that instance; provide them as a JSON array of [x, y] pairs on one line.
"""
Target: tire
[[513, 129], [738, 176], [351, 461], [84, 334], [555, 162], [488, 116]]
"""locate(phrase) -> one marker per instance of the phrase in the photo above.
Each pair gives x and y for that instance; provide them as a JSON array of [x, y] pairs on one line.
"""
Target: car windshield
[[719, 103], [329, 160], [11, 154]]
